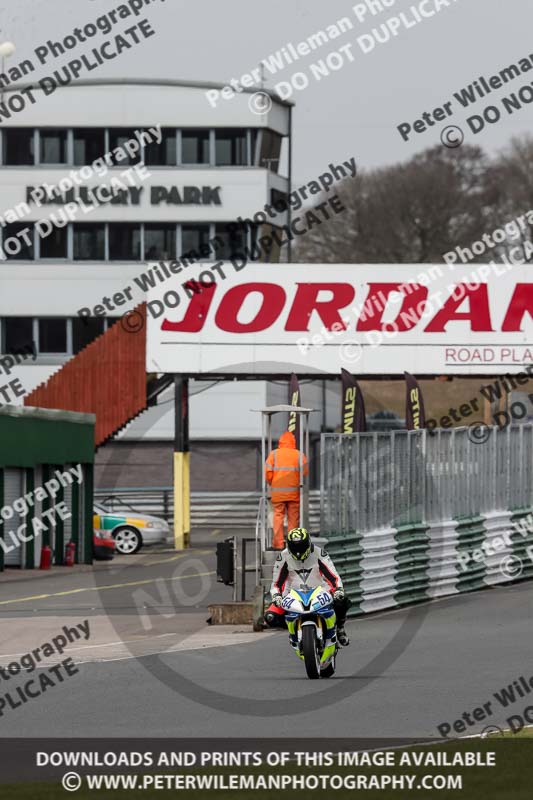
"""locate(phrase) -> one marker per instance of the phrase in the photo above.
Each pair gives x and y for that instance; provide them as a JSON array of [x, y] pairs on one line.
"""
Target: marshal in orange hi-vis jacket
[[282, 470]]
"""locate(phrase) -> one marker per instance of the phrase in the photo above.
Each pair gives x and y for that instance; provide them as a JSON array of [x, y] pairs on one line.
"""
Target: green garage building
[[46, 485]]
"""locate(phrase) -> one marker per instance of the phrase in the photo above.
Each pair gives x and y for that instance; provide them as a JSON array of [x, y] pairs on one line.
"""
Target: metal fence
[[411, 516], [390, 479]]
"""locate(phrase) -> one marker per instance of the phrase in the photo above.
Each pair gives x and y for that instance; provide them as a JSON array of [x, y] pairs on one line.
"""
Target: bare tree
[[512, 173], [409, 213]]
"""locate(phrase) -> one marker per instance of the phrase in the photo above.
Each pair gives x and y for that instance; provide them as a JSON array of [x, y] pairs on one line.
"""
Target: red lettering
[[478, 314], [306, 301], [273, 300], [197, 311], [521, 301], [408, 316]]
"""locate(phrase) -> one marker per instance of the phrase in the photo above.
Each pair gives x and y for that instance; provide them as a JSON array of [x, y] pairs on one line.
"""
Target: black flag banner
[[353, 405], [415, 416], [294, 400]]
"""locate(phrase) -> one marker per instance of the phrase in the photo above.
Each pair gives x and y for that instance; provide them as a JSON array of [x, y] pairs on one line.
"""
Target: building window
[[159, 242], [270, 151], [18, 334], [254, 242], [52, 335], [279, 201], [231, 243], [89, 241], [254, 135], [195, 147], [18, 147], [55, 244], [85, 331], [17, 241], [53, 146], [124, 242], [164, 153], [89, 144], [231, 148], [117, 138], [195, 241]]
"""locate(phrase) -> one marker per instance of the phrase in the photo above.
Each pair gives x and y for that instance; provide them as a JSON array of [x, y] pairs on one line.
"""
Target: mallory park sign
[[129, 196]]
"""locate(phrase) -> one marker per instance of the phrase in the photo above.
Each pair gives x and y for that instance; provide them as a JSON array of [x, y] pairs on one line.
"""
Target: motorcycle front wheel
[[329, 671], [310, 652]]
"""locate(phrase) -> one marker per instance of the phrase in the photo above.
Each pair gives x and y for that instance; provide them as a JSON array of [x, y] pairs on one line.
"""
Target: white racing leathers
[[317, 570]]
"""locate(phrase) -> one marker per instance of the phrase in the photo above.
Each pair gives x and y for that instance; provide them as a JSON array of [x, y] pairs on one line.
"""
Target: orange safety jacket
[[282, 470]]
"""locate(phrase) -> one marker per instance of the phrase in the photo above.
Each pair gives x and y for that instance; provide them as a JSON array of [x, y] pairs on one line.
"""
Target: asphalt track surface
[[405, 672]]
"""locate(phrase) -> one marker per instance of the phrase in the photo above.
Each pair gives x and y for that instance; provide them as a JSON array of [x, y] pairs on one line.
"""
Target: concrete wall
[[215, 466]]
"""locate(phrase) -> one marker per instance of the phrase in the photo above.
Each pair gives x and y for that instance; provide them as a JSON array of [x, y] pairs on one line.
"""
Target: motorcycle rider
[[303, 563]]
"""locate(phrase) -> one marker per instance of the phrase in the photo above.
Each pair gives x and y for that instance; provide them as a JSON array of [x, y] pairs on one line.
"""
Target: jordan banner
[[314, 319], [294, 400], [415, 416], [353, 405]]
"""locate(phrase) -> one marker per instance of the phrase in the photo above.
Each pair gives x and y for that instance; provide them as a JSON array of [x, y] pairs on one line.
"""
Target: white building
[[211, 167]]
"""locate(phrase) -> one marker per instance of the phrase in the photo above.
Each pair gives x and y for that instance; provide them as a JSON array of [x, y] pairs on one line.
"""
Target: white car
[[130, 531]]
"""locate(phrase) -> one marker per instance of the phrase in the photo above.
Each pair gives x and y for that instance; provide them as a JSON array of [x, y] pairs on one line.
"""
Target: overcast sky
[[354, 111]]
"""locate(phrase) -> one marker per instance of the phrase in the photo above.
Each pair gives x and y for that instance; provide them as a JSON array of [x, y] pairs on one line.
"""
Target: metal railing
[[241, 568], [260, 530], [224, 510], [377, 480]]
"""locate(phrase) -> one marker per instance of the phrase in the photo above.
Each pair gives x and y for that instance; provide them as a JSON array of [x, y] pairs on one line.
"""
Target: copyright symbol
[[452, 137], [478, 433], [491, 730], [511, 566], [71, 781], [132, 321], [350, 352], [260, 103]]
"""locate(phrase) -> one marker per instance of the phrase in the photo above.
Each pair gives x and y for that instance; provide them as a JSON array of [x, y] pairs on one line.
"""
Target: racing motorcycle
[[312, 625]]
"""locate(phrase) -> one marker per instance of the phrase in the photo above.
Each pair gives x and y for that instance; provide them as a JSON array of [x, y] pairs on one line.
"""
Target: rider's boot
[[342, 636]]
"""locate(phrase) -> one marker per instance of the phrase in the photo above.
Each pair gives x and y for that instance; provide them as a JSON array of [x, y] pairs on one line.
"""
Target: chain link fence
[[379, 480]]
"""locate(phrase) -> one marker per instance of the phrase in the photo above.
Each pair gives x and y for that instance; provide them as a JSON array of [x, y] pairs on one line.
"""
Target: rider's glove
[[277, 599], [338, 594]]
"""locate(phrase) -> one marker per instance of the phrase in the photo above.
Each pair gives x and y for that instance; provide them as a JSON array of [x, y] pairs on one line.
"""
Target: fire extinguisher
[[46, 557], [70, 554]]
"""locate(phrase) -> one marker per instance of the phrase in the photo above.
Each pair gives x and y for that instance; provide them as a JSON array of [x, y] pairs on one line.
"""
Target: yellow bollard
[[182, 501]]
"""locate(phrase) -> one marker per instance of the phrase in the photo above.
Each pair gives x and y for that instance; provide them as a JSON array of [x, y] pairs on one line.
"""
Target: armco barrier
[[225, 510], [412, 553]]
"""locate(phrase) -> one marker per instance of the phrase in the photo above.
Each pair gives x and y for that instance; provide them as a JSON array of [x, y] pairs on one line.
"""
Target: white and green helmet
[[299, 543]]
